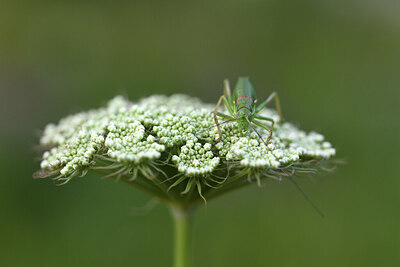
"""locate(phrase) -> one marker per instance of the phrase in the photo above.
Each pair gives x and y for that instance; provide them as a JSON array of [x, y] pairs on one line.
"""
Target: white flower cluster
[[175, 130], [231, 133], [124, 142], [132, 133], [245, 146], [312, 145], [253, 153], [175, 104], [196, 159], [178, 118], [73, 155], [287, 145], [96, 120]]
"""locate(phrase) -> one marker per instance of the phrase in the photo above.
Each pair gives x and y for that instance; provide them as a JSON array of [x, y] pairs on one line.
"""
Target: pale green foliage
[[177, 134]]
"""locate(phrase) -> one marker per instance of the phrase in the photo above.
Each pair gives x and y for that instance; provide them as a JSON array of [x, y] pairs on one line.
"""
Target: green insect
[[243, 108]]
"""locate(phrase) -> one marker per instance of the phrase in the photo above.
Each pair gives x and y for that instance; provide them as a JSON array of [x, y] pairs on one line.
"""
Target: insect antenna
[[254, 129], [306, 197], [230, 120], [216, 125]]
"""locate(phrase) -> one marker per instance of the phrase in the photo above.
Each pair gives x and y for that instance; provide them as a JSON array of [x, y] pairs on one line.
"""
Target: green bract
[[167, 146]]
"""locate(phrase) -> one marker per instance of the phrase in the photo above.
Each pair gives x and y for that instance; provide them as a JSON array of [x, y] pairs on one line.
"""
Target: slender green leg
[[224, 98], [277, 104], [215, 112], [228, 119], [227, 88], [265, 127], [227, 94], [224, 116], [254, 129]]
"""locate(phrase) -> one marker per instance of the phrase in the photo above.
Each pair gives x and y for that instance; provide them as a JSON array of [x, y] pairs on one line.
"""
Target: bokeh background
[[335, 65]]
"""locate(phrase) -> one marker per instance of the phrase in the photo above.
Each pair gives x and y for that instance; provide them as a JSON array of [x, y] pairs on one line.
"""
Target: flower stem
[[182, 224]]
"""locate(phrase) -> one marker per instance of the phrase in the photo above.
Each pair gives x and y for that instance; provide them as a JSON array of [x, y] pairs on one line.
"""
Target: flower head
[[168, 147]]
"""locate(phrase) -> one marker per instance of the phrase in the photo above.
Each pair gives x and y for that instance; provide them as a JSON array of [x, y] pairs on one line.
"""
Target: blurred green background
[[335, 65]]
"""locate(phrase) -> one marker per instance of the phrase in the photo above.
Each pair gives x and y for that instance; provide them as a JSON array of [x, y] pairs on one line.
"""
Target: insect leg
[[227, 88], [254, 129], [216, 119], [226, 99], [263, 126], [277, 104], [224, 116], [230, 119]]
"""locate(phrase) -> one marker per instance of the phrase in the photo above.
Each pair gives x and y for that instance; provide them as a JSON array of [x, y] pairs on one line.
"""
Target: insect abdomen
[[244, 94], [244, 102]]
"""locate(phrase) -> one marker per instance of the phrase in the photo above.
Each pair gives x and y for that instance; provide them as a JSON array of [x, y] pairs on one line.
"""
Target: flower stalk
[[182, 222]]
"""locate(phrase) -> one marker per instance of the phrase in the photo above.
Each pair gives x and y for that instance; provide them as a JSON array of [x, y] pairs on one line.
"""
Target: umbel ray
[[242, 107]]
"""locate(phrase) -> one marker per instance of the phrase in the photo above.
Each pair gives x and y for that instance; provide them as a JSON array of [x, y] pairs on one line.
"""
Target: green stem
[[182, 224]]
